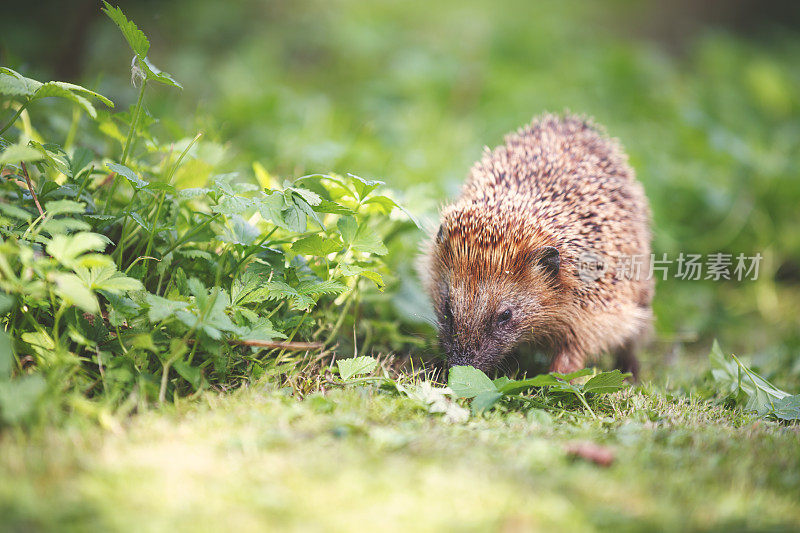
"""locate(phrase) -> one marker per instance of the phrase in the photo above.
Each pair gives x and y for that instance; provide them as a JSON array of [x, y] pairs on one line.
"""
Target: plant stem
[[134, 123], [586, 404], [128, 143], [30, 188], [253, 249], [191, 234], [15, 117]]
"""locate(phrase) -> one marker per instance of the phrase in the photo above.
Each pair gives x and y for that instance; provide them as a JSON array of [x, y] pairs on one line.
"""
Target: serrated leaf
[[295, 218], [316, 288], [327, 206], [364, 187], [135, 37], [54, 89], [161, 308], [232, 205], [355, 270], [387, 204], [306, 208], [13, 211], [17, 153], [356, 366], [153, 73], [135, 181], [316, 245], [271, 206], [468, 382], [84, 90], [360, 238], [310, 197], [66, 248], [60, 207], [261, 330], [12, 83], [605, 382], [74, 292], [139, 220]]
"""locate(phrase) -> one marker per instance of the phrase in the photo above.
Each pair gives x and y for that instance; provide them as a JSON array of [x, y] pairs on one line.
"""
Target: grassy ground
[[360, 458]]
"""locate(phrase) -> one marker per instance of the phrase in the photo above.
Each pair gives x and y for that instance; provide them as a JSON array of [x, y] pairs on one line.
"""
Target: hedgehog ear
[[547, 259]]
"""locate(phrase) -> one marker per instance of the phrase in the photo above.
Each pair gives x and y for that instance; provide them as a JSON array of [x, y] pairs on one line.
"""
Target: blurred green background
[[705, 98]]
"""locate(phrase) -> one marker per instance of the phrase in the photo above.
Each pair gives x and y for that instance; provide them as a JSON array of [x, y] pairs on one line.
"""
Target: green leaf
[[74, 292], [190, 373], [348, 227], [468, 382], [135, 37], [787, 408], [315, 288], [153, 73], [360, 238], [316, 245], [15, 212], [61, 207], [738, 380], [12, 83], [364, 187], [295, 218], [573, 375], [17, 153], [327, 206], [67, 248], [542, 380], [271, 207], [354, 270], [485, 401], [84, 90], [135, 181], [54, 89], [310, 197], [161, 308], [356, 366], [107, 278], [387, 204], [605, 382], [260, 331], [79, 160], [233, 205]]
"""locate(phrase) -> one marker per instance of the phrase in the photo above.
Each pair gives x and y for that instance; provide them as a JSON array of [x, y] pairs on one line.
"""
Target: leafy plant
[[470, 382], [143, 274], [744, 386]]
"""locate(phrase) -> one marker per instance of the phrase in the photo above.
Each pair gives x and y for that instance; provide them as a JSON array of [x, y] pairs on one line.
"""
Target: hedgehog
[[547, 246]]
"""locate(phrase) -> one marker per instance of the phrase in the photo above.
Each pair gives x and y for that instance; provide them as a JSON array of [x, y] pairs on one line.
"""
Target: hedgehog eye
[[504, 317]]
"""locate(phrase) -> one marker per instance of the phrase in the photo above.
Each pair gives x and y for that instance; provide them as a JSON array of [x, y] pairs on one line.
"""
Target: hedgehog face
[[481, 320], [480, 328]]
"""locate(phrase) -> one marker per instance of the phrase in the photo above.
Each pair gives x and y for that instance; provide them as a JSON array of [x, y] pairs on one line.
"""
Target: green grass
[[362, 459]]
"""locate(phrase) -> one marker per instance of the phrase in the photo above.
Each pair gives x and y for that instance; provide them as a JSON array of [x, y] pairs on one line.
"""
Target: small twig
[[30, 187]]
